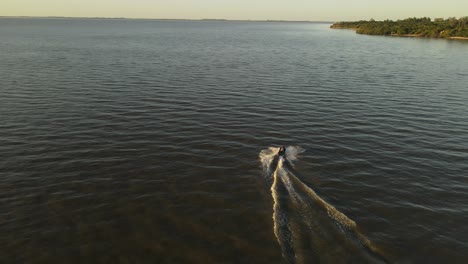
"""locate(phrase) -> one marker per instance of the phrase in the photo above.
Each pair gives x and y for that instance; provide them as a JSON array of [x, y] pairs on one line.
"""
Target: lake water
[[138, 141]]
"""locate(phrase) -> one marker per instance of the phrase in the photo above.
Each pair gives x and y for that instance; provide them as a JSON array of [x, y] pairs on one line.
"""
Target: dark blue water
[[132, 141]]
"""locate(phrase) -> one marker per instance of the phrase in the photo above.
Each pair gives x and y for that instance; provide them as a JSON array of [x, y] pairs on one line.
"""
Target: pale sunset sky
[[313, 10]]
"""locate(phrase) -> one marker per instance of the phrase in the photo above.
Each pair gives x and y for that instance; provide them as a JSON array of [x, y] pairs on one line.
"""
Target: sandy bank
[[462, 38]]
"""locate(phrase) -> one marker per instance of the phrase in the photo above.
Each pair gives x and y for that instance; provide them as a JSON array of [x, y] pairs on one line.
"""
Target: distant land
[[168, 19], [450, 28]]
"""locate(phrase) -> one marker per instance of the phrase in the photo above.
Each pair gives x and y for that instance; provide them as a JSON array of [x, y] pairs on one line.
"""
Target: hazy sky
[[329, 10]]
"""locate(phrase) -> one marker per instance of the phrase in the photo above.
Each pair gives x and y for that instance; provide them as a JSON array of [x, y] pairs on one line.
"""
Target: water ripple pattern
[[137, 141]]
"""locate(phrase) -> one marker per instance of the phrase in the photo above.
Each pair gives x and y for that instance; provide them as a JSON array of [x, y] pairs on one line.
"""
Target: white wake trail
[[308, 229]]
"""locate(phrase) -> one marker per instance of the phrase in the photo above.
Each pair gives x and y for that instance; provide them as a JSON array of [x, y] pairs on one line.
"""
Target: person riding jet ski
[[282, 151]]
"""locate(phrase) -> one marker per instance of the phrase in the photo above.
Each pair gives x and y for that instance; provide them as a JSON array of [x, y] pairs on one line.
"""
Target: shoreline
[[402, 36], [419, 36], [458, 38]]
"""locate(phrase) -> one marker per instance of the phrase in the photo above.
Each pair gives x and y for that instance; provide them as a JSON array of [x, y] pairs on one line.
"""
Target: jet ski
[[282, 151]]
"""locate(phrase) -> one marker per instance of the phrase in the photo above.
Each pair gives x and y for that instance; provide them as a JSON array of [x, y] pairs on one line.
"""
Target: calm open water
[[132, 141]]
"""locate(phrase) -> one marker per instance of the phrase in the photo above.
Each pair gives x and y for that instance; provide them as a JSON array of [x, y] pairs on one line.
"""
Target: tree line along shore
[[452, 27]]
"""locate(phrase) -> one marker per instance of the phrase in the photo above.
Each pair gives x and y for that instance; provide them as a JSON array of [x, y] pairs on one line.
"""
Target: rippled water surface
[[128, 141]]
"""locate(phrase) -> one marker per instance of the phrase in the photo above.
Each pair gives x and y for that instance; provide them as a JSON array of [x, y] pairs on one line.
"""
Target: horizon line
[[180, 19]]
